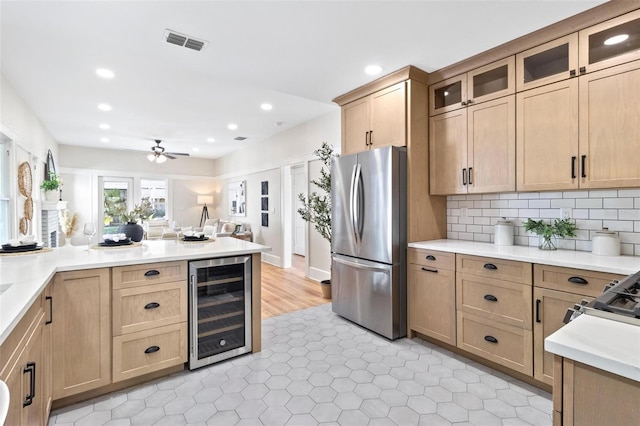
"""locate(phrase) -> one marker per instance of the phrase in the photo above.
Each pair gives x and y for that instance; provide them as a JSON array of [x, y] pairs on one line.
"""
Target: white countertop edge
[[623, 265], [609, 345], [47, 271]]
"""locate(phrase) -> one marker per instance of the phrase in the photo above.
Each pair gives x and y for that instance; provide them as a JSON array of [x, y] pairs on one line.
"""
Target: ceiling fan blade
[[185, 154], [166, 154]]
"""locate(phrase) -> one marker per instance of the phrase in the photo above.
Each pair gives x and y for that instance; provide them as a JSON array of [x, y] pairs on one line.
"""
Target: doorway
[[294, 182]]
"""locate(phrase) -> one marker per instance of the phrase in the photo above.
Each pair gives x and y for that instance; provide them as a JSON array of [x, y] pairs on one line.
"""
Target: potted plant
[[130, 219], [549, 231], [51, 187], [316, 208]]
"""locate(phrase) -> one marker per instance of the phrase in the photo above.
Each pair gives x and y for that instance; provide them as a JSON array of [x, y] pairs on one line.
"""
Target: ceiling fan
[[159, 156]]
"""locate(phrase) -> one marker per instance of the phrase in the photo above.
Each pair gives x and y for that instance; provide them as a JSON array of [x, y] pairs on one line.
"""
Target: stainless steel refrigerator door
[[343, 237], [380, 204], [370, 294]]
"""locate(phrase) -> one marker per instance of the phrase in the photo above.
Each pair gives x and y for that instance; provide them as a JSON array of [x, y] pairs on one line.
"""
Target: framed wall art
[[237, 198]]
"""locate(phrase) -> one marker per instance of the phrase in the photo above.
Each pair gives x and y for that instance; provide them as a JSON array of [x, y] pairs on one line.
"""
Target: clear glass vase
[[548, 243]]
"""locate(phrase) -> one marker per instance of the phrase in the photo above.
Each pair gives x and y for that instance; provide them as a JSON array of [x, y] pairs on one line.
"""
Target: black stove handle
[[578, 280]]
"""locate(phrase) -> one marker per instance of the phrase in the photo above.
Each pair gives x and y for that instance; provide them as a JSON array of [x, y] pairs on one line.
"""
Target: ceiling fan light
[[151, 157], [161, 159]]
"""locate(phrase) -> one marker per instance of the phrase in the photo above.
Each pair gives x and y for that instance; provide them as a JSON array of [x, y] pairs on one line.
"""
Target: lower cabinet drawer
[[146, 351], [509, 303], [143, 308], [504, 344]]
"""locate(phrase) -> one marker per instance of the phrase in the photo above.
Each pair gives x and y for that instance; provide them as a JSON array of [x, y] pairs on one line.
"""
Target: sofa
[[224, 228]]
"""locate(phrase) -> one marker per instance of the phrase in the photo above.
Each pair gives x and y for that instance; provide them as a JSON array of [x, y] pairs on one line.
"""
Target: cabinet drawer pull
[[578, 280], [583, 70], [50, 299], [151, 273], [491, 339], [31, 369], [538, 301], [430, 270], [152, 349], [431, 257], [152, 305], [572, 73], [490, 266], [490, 298], [583, 165], [573, 167]]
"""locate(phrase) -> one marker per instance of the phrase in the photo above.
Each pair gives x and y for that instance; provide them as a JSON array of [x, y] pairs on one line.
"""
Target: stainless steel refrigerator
[[369, 239]]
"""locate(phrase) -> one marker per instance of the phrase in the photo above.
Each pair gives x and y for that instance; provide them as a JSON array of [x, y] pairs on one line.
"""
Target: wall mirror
[[50, 166]]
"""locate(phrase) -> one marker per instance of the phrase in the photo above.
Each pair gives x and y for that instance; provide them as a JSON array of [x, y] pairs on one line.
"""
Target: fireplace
[[51, 221]]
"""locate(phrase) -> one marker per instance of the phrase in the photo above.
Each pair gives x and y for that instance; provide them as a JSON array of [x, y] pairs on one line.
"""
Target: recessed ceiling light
[[373, 69], [104, 126], [195, 149], [616, 39], [232, 126], [210, 140], [266, 107], [105, 140], [104, 107], [105, 73]]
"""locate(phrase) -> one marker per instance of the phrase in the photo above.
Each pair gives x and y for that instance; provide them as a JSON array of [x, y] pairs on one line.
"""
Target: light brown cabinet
[[81, 331], [375, 121], [471, 136], [431, 295], [47, 347], [557, 289]]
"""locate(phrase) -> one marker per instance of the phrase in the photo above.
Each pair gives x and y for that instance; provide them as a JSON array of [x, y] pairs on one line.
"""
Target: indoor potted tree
[[316, 208], [548, 232]]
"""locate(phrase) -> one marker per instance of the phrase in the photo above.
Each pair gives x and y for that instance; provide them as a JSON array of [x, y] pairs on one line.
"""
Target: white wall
[[257, 163]]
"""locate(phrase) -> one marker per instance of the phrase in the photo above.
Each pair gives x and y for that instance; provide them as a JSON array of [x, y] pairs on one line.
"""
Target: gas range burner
[[619, 301]]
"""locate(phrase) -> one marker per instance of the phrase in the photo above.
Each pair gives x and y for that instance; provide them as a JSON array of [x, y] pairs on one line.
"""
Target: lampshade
[[205, 199], [151, 157]]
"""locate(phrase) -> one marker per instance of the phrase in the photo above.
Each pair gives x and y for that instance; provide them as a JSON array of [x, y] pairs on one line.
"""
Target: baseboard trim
[[272, 260], [319, 274]]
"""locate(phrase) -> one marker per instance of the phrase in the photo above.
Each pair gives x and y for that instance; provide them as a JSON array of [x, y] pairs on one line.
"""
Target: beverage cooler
[[219, 309]]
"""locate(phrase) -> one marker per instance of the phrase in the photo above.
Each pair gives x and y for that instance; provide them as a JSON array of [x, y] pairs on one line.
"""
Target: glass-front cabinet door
[[448, 95], [492, 81], [554, 61], [610, 43]]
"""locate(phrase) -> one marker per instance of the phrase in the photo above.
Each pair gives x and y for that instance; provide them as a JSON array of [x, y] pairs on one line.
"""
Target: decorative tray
[[7, 248], [192, 238], [111, 243]]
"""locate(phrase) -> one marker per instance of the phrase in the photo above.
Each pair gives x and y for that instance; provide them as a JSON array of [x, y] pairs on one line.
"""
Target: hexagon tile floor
[[317, 368]]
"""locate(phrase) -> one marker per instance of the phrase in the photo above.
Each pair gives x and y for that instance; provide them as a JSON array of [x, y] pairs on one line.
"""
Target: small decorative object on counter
[[605, 243], [549, 232], [503, 232]]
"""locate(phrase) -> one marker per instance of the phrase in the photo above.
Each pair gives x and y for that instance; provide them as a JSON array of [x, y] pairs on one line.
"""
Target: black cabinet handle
[[151, 273], [490, 266], [31, 369], [583, 165], [573, 167], [464, 176], [469, 101], [490, 298], [572, 73], [583, 70], [152, 349], [578, 280], [491, 339], [430, 257], [370, 137], [366, 138], [538, 301], [152, 305], [50, 299], [463, 103], [470, 175], [435, 271]]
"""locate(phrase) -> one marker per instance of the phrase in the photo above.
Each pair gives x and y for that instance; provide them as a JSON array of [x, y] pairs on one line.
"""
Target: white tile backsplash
[[618, 210]]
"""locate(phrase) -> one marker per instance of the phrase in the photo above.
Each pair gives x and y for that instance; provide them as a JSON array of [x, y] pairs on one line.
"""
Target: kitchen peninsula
[[75, 312]]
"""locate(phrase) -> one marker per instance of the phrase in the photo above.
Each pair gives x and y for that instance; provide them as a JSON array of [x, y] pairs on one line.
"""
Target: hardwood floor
[[288, 290]]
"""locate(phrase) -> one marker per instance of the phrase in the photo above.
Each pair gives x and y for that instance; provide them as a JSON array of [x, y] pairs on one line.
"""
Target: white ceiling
[[296, 55]]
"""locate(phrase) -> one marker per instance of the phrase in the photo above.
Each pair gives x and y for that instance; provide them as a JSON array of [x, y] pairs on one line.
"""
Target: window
[[5, 194], [156, 191], [116, 195]]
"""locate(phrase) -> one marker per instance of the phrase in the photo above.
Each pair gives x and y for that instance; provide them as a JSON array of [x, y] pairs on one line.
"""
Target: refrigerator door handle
[[361, 266], [358, 207], [352, 203]]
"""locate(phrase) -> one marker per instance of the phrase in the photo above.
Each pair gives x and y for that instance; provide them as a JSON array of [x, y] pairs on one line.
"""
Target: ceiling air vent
[[183, 40], [239, 138]]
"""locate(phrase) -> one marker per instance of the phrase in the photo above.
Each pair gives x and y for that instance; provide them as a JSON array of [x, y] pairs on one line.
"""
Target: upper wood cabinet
[[375, 121], [466, 144], [592, 49], [483, 84]]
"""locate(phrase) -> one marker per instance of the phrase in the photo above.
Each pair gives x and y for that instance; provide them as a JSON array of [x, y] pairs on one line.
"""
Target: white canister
[[605, 243], [503, 232]]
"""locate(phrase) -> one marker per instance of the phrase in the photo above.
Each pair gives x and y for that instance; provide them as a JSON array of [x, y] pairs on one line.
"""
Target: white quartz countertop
[[624, 265], [602, 343], [22, 278]]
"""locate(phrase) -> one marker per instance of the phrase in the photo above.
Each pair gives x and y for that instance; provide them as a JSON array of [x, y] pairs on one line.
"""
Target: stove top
[[619, 301]]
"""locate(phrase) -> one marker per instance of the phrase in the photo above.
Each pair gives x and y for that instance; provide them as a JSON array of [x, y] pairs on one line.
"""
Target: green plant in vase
[[560, 228]]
